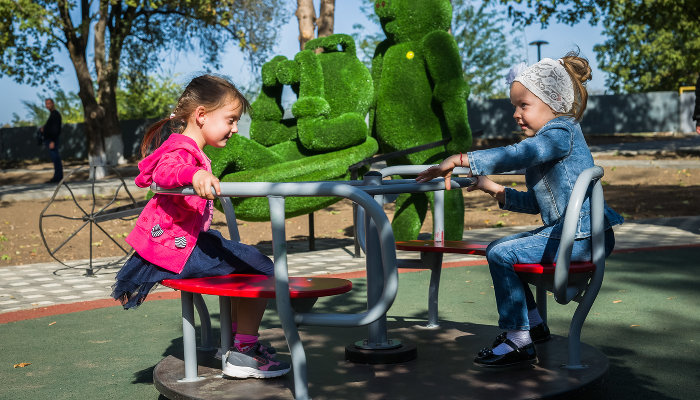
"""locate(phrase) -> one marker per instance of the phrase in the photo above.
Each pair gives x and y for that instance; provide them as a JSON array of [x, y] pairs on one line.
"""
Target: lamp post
[[539, 44]]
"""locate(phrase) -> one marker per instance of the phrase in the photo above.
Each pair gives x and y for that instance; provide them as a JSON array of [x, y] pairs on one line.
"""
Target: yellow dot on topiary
[[410, 55]]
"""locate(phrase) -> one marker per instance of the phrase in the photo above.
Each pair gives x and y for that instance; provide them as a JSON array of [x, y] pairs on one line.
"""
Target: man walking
[[696, 113], [51, 131]]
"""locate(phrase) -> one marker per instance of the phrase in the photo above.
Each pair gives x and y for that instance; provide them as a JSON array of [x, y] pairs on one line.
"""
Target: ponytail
[[151, 139], [580, 72]]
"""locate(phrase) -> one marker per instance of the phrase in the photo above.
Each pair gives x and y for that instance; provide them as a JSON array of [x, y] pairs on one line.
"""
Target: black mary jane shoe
[[519, 357], [538, 334]]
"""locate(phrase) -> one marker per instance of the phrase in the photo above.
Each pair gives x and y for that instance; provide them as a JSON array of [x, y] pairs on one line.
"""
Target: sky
[[561, 38]]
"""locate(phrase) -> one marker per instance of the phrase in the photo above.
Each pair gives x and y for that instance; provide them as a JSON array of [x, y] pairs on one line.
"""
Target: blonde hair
[[210, 91], [580, 72]]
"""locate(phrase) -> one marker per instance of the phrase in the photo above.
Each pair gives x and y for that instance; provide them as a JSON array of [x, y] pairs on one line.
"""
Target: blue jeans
[[56, 160], [513, 296]]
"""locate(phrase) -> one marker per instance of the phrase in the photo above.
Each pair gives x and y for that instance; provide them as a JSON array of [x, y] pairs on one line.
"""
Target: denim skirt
[[212, 255]]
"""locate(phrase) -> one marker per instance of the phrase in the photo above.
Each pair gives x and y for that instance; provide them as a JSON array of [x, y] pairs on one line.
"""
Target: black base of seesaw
[[443, 369]]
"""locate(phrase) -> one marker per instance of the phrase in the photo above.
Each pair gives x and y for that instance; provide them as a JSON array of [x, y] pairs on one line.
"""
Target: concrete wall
[[20, 143], [629, 113]]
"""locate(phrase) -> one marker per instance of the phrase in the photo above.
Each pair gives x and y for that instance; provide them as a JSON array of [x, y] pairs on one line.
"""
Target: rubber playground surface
[[645, 320]]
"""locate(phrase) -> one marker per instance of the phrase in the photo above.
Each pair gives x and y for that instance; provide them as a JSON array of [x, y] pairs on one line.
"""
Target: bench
[[293, 296]]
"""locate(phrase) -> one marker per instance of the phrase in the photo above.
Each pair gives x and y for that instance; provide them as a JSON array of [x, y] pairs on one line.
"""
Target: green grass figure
[[420, 97], [327, 134]]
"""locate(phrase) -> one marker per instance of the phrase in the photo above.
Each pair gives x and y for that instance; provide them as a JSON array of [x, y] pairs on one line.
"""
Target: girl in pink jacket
[[172, 239]]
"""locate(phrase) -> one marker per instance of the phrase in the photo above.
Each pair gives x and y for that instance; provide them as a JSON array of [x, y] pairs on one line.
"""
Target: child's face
[[220, 124], [531, 113]]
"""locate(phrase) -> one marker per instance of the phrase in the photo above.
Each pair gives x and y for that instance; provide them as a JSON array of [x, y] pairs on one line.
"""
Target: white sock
[[519, 338], [534, 317]]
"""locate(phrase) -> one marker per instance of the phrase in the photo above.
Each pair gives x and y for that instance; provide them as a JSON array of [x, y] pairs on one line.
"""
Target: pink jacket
[[167, 229]]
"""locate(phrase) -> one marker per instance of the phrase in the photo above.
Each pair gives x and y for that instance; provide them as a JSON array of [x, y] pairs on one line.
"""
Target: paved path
[[28, 286]]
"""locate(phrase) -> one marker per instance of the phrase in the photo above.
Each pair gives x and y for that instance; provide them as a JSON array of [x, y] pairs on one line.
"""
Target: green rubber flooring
[[646, 320]]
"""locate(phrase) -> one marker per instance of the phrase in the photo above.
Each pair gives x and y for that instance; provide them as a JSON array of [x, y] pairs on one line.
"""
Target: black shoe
[[519, 357], [538, 334]]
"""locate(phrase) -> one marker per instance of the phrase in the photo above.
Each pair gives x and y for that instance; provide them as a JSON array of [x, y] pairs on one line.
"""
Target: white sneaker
[[254, 363]]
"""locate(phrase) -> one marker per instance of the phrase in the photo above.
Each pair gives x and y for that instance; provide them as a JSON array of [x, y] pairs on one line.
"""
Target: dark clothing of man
[[696, 113], [52, 130]]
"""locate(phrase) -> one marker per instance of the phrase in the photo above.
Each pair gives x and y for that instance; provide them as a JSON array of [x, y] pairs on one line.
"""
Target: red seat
[[548, 269], [260, 286], [446, 246]]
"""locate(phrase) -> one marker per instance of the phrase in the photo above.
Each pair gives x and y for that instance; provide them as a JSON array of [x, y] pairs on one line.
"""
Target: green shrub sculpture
[[327, 134], [421, 97]]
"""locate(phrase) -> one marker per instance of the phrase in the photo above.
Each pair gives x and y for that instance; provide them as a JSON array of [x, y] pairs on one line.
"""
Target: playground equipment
[[104, 202]]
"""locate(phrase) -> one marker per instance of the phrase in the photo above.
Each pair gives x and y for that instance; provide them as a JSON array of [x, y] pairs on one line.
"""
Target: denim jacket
[[552, 160]]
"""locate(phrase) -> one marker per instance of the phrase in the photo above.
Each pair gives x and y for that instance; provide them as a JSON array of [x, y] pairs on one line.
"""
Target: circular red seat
[[260, 286], [446, 246], [548, 269]]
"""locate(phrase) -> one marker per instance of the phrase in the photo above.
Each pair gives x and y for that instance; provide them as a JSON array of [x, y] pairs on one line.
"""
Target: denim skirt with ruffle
[[213, 255]]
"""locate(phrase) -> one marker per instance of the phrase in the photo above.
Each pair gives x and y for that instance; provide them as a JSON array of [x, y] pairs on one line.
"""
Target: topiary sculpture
[[327, 134], [420, 98]]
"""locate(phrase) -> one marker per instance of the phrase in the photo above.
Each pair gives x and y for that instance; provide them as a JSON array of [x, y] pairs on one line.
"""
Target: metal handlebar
[[563, 294]]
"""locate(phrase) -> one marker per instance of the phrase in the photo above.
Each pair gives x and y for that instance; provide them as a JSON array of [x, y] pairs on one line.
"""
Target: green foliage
[[482, 36], [26, 41], [129, 34], [365, 39], [68, 104], [651, 45], [32, 31], [142, 97]]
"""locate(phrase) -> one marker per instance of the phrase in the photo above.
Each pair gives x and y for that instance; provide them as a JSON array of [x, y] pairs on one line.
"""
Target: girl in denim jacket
[[549, 99], [172, 239]]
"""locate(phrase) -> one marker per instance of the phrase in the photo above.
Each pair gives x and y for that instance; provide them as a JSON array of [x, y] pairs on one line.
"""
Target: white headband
[[549, 81]]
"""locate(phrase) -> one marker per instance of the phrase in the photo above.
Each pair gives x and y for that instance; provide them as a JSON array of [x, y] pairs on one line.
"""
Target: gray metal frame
[[565, 288], [381, 261], [428, 260]]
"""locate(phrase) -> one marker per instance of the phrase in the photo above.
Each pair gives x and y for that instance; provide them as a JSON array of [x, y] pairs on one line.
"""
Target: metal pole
[[539, 43]]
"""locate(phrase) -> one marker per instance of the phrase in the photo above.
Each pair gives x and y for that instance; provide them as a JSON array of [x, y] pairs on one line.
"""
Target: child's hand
[[444, 169], [490, 187], [202, 181]]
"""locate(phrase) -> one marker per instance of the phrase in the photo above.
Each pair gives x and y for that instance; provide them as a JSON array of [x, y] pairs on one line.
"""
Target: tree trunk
[[307, 19], [325, 20], [98, 123], [107, 59]]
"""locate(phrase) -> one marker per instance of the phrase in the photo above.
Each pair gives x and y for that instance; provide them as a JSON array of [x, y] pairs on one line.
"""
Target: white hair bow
[[514, 72]]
